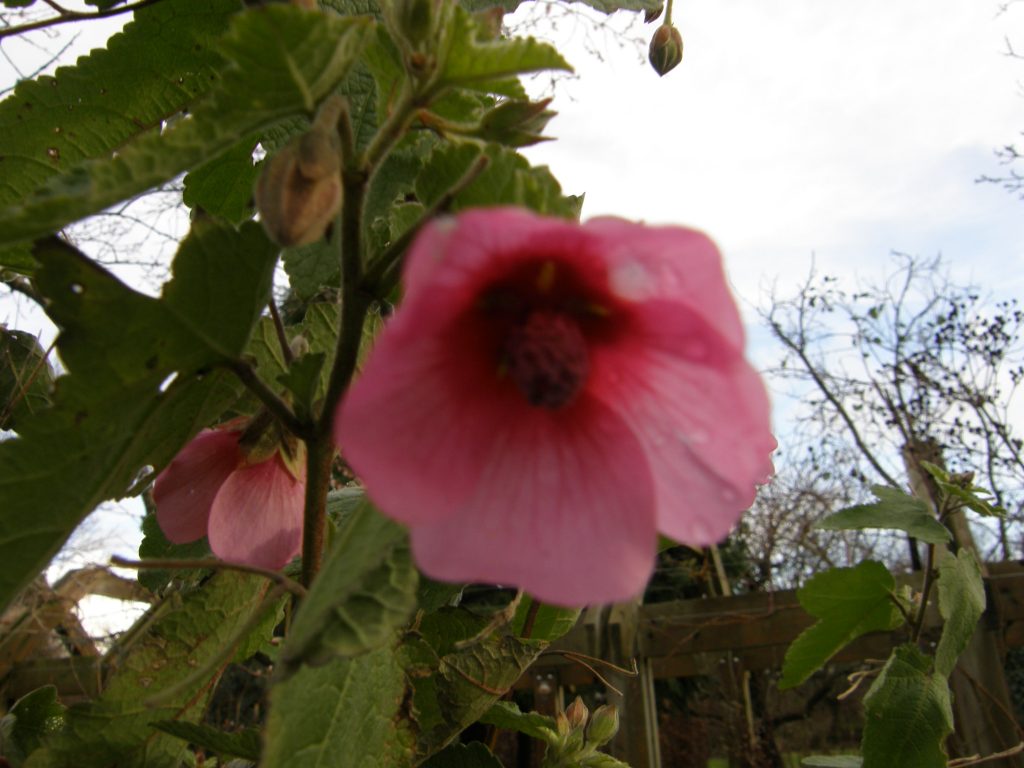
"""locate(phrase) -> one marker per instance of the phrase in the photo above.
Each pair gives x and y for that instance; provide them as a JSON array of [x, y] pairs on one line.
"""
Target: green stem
[[668, 13], [926, 588], [319, 457]]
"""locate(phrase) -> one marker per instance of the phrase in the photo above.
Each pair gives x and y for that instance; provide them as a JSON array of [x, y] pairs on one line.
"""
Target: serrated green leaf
[[848, 602], [491, 65], [282, 60], [602, 760], [472, 755], [183, 634], [833, 761], [347, 710], [244, 744], [506, 715], [961, 604], [459, 666], [908, 714], [223, 187], [364, 592], [110, 417], [894, 510], [26, 377], [158, 64]]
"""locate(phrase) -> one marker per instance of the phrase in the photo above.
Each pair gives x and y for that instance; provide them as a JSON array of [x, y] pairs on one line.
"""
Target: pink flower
[[252, 513], [549, 396]]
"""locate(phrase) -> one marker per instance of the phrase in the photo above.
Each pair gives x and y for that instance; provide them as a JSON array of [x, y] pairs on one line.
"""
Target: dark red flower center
[[546, 356]]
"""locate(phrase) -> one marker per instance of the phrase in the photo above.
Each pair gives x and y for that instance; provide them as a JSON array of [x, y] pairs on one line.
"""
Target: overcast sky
[[841, 129]]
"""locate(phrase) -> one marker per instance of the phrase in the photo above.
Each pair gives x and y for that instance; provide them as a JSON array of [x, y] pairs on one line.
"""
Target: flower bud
[[515, 123], [666, 49], [298, 193], [562, 723], [604, 724], [576, 713]]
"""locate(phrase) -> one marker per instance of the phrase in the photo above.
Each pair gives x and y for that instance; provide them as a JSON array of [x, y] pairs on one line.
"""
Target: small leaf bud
[[604, 724], [562, 723], [666, 49], [577, 713]]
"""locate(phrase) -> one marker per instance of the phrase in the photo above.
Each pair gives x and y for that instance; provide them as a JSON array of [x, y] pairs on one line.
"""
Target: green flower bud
[[666, 49], [516, 123], [604, 724]]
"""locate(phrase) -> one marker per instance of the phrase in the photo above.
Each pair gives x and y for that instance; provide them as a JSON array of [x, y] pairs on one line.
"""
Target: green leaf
[[117, 410], [908, 714], [506, 715], [312, 268], [491, 65], [33, 719], [346, 710], [848, 602], [893, 510], [458, 666], [833, 761], [282, 60], [244, 744], [961, 604], [150, 679], [154, 545], [433, 595], [472, 755], [549, 623], [365, 590], [508, 179], [157, 65], [601, 760], [26, 377], [223, 187]]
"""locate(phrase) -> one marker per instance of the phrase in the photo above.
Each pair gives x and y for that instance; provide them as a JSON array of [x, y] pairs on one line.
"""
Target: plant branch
[[282, 336], [926, 587], [66, 17], [278, 407], [276, 577]]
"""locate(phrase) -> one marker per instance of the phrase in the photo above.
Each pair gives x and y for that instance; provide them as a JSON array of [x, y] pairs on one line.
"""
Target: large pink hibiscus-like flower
[[251, 512], [551, 395]]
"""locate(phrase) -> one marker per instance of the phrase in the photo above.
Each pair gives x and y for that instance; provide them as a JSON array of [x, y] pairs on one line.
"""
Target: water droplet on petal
[[630, 281]]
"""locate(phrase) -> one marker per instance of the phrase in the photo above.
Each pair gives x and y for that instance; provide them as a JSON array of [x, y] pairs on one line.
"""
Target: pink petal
[[454, 258], [562, 508], [417, 424], [185, 490], [704, 425], [675, 264], [257, 516]]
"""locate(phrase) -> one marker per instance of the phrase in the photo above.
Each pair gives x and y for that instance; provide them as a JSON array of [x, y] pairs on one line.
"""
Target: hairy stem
[[278, 407]]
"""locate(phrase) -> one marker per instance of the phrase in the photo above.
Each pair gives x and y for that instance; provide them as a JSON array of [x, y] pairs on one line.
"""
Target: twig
[[69, 16], [282, 336], [929, 578], [169, 564], [531, 618], [278, 407], [960, 762]]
